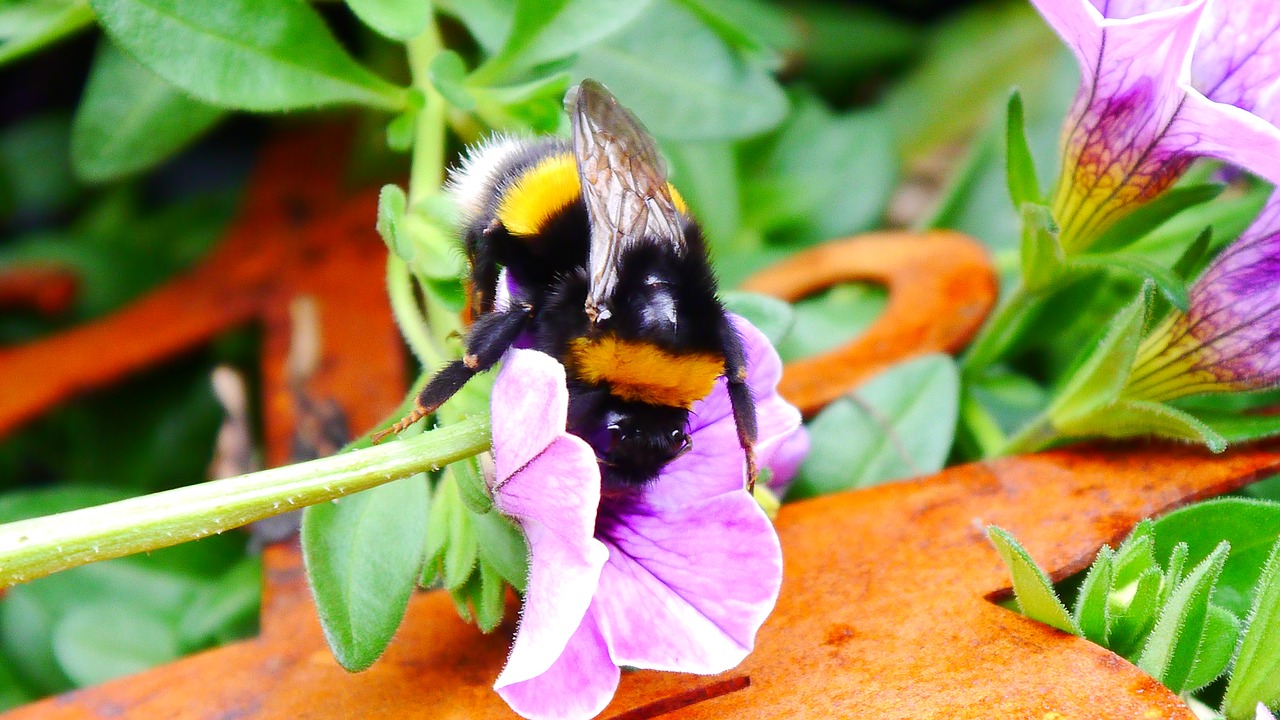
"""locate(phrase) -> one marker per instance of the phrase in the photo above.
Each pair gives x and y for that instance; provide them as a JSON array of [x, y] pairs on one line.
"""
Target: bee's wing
[[624, 185]]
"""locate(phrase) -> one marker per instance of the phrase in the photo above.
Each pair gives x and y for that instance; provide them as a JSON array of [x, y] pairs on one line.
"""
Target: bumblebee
[[605, 271]]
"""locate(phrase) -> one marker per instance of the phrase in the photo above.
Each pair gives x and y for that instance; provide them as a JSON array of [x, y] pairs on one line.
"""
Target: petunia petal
[[530, 385], [786, 461], [1237, 59], [577, 686], [1078, 24], [686, 589], [554, 498], [1229, 133]]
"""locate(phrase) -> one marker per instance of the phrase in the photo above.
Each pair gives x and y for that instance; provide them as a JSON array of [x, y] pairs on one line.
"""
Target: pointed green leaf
[[502, 548], [395, 19], [129, 119], [461, 551], [258, 55], [1251, 526], [33, 24], [1097, 380], [391, 206], [1221, 632], [1092, 611], [1020, 168], [1151, 215], [1170, 650], [363, 555], [1195, 253], [1235, 428], [1134, 556], [1133, 613], [1135, 418], [1256, 677], [1174, 573], [1031, 587], [437, 536], [1042, 255], [491, 601], [762, 30], [1169, 283]]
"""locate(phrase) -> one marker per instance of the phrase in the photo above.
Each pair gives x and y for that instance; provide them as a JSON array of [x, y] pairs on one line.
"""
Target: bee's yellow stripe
[[544, 190], [640, 372]]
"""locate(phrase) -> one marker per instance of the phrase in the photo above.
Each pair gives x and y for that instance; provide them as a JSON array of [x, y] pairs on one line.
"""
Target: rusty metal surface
[[883, 614], [297, 233], [941, 286]]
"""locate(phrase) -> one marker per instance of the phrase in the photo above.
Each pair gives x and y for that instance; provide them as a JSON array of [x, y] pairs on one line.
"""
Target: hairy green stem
[[1000, 331], [426, 172], [1035, 435], [408, 314], [30, 549]]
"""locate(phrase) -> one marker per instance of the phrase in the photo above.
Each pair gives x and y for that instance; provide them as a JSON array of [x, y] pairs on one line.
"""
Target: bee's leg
[[487, 340], [744, 407]]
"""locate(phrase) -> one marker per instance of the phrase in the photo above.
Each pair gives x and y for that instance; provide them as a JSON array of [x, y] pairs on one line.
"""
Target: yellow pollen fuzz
[[639, 372], [544, 190]]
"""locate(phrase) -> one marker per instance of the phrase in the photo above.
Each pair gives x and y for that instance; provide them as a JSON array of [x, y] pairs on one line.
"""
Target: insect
[[607, 272]]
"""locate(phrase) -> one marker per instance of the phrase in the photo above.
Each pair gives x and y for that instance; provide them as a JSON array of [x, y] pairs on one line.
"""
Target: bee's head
[[638, 440]]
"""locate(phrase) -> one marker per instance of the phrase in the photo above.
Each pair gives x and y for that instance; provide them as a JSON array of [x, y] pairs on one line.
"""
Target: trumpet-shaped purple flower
[[1229, 338], [1264, 713], [1164, 82], [677, 575]]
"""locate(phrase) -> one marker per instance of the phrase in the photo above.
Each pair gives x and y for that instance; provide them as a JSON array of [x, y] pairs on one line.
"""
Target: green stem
[[983, 428], [1000, 331], [427, 170], [30, 549], [408, 315]]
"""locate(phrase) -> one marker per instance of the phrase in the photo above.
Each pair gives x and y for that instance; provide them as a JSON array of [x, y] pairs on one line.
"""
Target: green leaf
[[1196, 253], [1256, 677], [823, 175], [1042, 257], [769, 315], [391, 206], [223, 608], [543, 30], [1169, 283], [898, 424], [1170, 650], [491, 602], [35, 168], [1251, 526], [969, 64], [757, 28], [1020, 168], [1151, 215], [460, 548], [33, 24], [448, 74], [1236, 429], [1031, 587], [502, 548], [1134, 556], [13, 692], [1084, 402], [258, 55], [363, 555], [831, 318], [395, 19], [96, 643], [681, 79], [1227, 218], [1221, 631], [707, 175], [1135, 418], [1092, 612], [1134, 612], [130, 120]]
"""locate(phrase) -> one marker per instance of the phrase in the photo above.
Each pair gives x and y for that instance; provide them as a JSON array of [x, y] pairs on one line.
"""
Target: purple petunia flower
[[1229, 339], [677, 575], [1164, 82], [1264, 713]]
